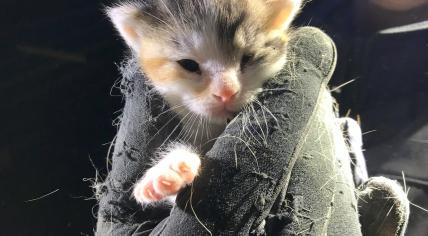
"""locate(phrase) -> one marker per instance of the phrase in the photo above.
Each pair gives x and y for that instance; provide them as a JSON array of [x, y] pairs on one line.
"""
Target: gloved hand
[[283, 169]]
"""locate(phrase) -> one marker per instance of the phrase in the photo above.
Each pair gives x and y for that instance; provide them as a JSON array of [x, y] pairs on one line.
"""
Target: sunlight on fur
[[209, 60]]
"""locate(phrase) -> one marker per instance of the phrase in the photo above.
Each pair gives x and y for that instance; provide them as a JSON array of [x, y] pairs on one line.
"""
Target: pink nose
[[226, 95]]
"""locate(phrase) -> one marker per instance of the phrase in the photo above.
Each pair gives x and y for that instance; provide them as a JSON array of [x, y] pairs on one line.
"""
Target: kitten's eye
[[190, 65], [246, 58]]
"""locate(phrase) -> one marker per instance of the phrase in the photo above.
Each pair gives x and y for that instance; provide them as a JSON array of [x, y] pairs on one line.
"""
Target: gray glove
[[285, 171]]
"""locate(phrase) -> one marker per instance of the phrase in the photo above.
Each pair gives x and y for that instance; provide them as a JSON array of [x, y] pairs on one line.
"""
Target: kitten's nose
[[225, 95]]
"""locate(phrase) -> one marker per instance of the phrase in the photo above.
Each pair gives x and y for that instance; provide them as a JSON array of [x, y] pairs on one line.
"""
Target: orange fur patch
[[156, 64], [160, 70], [130, 32], [281, 16], [280, 12]]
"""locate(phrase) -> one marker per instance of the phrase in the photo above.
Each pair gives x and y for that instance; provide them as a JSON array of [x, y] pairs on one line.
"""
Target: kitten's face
[[207, 57]]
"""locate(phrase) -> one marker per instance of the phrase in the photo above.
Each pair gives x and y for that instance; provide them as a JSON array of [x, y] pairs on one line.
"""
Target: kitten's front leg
[[176, 168]]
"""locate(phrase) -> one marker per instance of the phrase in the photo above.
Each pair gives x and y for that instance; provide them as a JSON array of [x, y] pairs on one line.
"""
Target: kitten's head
[[210, 57]]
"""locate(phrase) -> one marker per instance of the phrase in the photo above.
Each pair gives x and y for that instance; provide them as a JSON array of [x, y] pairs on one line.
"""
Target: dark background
[[57, 69]]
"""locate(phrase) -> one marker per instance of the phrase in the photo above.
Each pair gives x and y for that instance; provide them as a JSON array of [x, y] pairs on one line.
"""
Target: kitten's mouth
[[223, 113]]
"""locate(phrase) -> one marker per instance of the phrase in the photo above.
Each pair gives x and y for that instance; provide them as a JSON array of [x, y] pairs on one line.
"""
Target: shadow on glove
[[282, 170]]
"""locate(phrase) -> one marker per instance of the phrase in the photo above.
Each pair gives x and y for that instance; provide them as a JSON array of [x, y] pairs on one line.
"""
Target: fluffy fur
[[208, 59]]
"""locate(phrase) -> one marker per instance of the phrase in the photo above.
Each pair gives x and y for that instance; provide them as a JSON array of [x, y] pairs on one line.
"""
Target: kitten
[[207, 58]]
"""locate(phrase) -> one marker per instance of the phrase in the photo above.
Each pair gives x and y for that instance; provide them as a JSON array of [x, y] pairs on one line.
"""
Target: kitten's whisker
[[233, 120], [209, 130], [194, 132], [266, 123], [186, 127], [276, 89], [250, 127], [176, 107], [189, 128], [247, 127], [177, 25], [182, 20], [168, 110], [172, 132], [266, 126], [183, 129], [245, 117], [267, 110], [261, 135], [243, 120], [202, 121], [197, 131], [171, 28], [264, 108], [206, 128], [166, 124]]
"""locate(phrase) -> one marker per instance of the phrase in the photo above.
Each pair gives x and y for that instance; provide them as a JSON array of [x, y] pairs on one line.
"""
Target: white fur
[[123, 18], [169, 167], [355, 145], [217, 73]]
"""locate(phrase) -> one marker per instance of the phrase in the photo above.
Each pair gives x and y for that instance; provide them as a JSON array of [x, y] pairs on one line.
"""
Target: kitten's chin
[[218, 116], [222, 116]]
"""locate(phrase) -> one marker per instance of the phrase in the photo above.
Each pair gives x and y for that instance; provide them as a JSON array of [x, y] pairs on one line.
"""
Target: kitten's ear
[[282, 13], [127, 20]]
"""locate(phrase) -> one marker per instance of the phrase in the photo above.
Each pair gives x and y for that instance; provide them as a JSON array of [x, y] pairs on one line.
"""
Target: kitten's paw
[[178, 168]]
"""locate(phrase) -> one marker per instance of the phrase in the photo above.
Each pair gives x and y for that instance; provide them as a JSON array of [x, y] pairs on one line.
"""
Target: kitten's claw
[[177, 169]]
